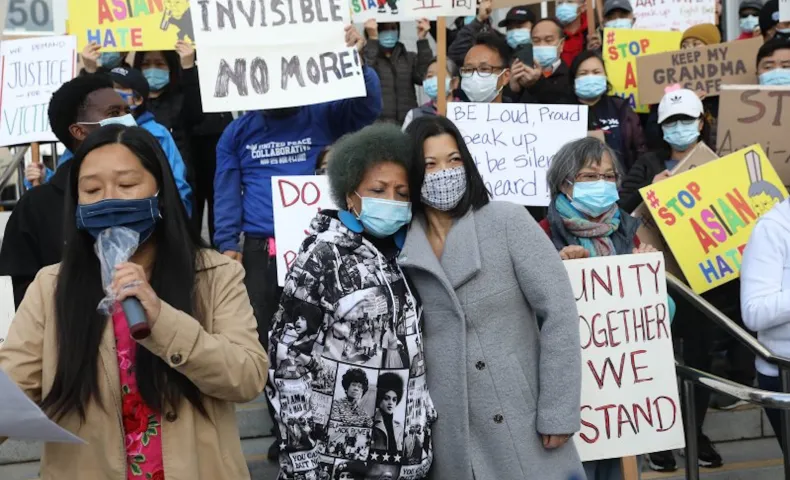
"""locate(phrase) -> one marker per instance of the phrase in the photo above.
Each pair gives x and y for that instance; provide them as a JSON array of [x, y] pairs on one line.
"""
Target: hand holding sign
[[353, 38], [572, 252], [90, 57], [372, 29], [423, 28], [186, 52], [484, 10]]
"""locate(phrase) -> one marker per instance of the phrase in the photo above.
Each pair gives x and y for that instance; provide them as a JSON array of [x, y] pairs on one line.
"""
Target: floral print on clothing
[[141, 426]]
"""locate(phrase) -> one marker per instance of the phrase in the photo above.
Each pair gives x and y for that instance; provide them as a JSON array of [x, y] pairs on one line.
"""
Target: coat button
[[480, 365], [171, 417], [499, 418], [175, 359]]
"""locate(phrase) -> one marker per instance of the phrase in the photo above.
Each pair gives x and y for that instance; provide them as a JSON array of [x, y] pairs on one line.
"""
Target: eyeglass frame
[[471, 71]]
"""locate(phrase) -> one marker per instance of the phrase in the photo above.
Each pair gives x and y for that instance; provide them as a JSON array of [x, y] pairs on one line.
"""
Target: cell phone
[[524, 54]]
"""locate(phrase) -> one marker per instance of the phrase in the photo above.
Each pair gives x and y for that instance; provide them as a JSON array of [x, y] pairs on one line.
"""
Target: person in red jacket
[[571, 14]]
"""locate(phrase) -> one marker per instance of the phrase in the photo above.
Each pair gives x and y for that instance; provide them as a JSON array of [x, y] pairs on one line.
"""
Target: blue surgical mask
[[139, 215], [594, 198], [388, 38], [590, 86], [469, 19], [748, 24], [619, 23], [382, 218], [518, 37], [481, 89], [777, 76], [158, 78], [545, 55], [567, 12], [110, 60], [431, 87], [681, 136]]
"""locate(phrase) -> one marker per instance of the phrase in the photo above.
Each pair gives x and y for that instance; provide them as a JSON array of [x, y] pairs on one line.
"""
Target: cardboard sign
[[33, 69], [754, 114], [7, 309], [119, 26], [673, 15], [35, 17], [629, 403], [706, 217], [621, 49], [699, 69], [648, 231], [274, 58], [296, 200], [513, 144], [406, 10]]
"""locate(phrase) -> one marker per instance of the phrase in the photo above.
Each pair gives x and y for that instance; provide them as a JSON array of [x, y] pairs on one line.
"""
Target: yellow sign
[[707, 214], [621, 48], [130, 25]]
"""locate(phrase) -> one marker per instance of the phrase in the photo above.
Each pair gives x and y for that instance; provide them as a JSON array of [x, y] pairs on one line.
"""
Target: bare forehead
[[483, 54]]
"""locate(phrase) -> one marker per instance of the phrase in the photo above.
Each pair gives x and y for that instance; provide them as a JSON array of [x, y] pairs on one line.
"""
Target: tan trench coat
[[222, 357]]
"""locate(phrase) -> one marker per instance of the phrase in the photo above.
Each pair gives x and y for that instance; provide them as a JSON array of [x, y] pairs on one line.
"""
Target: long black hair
[[79, 287], [577, 63], [420, 130], [173, 63]]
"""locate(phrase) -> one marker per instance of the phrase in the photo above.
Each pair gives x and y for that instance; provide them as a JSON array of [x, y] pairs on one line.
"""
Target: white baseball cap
[[679, 102]]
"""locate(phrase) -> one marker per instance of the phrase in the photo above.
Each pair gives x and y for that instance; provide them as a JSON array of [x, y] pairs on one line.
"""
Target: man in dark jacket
[[548, 80], [466, 37], [398, 70]]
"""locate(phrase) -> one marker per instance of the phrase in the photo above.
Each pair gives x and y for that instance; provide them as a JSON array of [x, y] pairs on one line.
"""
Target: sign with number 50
[[35, 17]]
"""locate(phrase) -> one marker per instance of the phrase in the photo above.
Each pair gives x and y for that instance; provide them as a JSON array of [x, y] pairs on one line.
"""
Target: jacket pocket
[[518, 376]]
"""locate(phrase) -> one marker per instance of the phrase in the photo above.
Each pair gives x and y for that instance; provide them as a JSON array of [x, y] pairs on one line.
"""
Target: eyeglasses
[[483, 71], [674, 123], [594, 177]]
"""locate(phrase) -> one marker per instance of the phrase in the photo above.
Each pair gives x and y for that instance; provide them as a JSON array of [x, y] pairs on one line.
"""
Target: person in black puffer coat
[[398, 70]]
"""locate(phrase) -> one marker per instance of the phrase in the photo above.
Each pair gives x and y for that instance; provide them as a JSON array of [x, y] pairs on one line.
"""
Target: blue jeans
[[608, 469]]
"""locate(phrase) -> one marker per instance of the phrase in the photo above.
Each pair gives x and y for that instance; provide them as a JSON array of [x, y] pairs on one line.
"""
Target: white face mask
[[481, 89]]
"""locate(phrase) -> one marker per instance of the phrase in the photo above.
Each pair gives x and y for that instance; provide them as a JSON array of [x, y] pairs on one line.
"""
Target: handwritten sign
[[648, 231], [755, 115], [513, 144], [630, 403], [140, 25], [7, 309], [274, 56], [784, 11], [706, 217], [622, 48], [405, 10], [296, 200], [33, 68], [699, 69], [675, 15]]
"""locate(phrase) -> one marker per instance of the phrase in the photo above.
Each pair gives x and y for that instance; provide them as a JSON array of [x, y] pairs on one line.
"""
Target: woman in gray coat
[[501, 331]]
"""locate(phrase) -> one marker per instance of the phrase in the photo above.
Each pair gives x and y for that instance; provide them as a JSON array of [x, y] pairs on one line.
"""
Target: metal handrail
[[18, 158], [756, 396]]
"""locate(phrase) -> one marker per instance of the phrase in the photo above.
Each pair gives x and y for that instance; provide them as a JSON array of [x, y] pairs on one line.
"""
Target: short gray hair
[[450, 66], [574, 156]]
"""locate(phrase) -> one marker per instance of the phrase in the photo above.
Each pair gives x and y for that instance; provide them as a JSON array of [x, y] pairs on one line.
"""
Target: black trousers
[[204, 160], [773, 384]]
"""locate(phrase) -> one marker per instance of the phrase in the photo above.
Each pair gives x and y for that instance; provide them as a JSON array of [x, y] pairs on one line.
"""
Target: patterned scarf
[[594, 236]]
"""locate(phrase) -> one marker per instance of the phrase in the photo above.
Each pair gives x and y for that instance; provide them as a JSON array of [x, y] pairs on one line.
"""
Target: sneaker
[[274, 451], [662, 461], [708, 456]]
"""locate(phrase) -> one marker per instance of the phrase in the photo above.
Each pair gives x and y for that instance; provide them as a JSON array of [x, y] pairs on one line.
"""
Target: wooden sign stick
[[441, 67], [35, 152], [630, 468], [590, 18]]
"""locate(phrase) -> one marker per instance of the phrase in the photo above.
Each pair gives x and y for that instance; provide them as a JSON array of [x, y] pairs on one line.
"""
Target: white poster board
[[784, 10], [273, 56], [296, 200], [406, 10], [7, 309], [513, 144], [630, 403], [32, 69], [669, 15]]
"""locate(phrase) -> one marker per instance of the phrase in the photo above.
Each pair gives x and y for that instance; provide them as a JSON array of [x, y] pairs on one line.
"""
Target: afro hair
[[69, 101], [354, 154], [389, 382], [355, 375]]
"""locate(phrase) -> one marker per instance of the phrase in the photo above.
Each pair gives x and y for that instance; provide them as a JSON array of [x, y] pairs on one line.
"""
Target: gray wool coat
[[501, 342]]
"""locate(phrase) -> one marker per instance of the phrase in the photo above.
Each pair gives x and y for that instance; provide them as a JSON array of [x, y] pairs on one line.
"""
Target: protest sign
[[296, 200], [33, 68], [754, 114], [648, 231], [405, 10], [629, 401], [119, 26], [513, 144], [274, 57], [35, 17], [700, 69], [622, 47], [675, 15], [7, 309], [784, 10], [706, 217]]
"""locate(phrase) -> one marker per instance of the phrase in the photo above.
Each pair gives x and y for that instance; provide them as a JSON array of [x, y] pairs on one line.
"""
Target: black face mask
[[281, 112]]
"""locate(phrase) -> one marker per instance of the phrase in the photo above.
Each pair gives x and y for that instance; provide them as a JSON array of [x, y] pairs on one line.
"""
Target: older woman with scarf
[[584, 221]]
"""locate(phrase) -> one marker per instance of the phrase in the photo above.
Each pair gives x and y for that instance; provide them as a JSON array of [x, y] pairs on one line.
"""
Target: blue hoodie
[[146, 121], [256, 147]]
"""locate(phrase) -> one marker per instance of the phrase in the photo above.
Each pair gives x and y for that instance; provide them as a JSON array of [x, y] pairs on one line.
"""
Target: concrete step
[[253, 420], [742, 423], [254, 449]]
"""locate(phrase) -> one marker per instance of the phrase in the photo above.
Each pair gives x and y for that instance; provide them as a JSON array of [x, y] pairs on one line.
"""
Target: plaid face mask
[[443, 190]]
